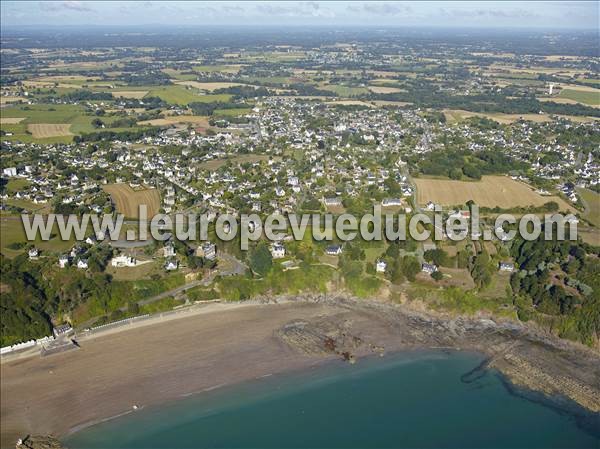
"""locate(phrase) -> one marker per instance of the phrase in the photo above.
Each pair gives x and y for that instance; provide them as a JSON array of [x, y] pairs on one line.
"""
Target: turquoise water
[[412, 400]]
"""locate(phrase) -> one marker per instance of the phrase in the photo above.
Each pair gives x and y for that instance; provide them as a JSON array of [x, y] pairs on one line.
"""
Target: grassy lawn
[[498, 286], [14, 185], [143, 271], [589, 235], [12, 231]]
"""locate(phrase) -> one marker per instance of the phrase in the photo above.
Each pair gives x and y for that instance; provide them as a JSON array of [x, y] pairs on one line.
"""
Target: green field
[[213, 98], [591, 201], [345, 91], [44, 113], [12, 231], [268, 79], [20, 133], [581, 96], [14, 185], [216, 68], [178, 75], [181, 95], [232, 112]]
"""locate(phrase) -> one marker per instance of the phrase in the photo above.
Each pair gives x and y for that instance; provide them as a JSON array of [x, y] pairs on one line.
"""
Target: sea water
[[406, 400]]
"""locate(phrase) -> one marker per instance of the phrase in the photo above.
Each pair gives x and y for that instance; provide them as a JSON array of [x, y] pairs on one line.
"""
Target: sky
[[508, 14]]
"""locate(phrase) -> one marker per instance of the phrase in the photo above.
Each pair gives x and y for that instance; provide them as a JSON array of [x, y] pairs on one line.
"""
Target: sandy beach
[[165, 360]]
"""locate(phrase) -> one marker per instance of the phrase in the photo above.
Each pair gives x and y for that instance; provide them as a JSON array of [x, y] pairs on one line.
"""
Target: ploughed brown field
[[127, 200], [490, 191]]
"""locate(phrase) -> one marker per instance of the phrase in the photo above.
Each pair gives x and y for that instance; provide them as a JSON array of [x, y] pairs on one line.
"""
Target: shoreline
[[221, 345]]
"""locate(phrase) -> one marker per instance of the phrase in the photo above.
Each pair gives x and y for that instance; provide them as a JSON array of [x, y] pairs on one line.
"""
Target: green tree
[[261, 260], [410, 267]]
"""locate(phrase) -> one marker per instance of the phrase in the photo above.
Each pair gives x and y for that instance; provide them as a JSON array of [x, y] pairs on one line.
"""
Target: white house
[[169, 250], [63, 261], [331, 202], [428, 268], [333, 250], [208, 250], [390, 202], [82, 263], [506, 266], [171, 265], [277, 251], [10, 171], [33, 253], [381, 266], [123, 261], [63, 329]]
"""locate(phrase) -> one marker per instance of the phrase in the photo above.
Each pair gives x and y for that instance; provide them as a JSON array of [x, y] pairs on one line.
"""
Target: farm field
[[11, 120], [232, 112], [43, 113], [491, 191], [588, 96], [233, 68], [385, 89], [127, 200], [457, 115], [9, 99], [350, 103], [345, 91], [591, 201], [193, 119], [207, 86], [589, 235], [45, 130], [135, 94]]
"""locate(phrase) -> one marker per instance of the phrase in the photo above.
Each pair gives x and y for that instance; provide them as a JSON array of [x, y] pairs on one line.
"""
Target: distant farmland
[[127, 200], [197, 120], [491, 191], [45, 130], [589, 96], [135, 94]]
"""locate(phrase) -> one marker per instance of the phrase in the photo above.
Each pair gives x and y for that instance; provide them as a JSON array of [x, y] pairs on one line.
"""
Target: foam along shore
[[168, 358]]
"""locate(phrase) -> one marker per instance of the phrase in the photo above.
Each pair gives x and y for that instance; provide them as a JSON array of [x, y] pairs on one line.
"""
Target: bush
[[437, 275]]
